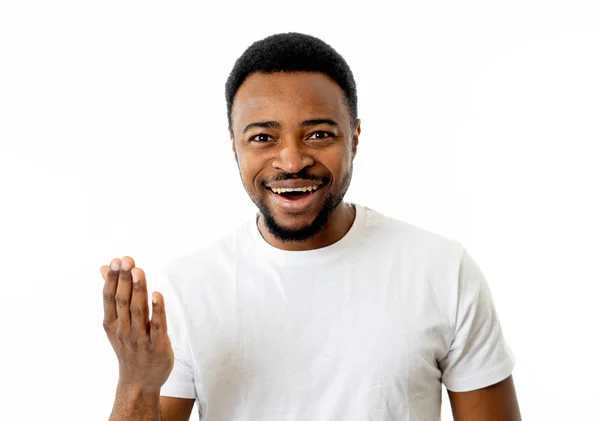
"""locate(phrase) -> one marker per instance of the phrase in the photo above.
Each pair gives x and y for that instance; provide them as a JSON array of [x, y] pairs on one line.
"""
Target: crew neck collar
[[304, 256]]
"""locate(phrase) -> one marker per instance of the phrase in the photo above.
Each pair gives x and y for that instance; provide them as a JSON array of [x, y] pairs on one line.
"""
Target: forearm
[[135, 405]]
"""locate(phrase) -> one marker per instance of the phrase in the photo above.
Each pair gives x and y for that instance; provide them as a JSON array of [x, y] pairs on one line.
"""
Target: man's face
[[293, 131]]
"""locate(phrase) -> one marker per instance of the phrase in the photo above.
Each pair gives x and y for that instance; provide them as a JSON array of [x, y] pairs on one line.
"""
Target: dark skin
[[303, 127], [142, 346], [289, 123], [497, 402]]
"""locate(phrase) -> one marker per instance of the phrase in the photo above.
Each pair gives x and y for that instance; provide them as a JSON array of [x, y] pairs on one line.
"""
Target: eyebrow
[[276, 125], [263, 124], [317, 121]]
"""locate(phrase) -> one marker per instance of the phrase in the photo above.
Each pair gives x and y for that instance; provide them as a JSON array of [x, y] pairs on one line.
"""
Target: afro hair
[[292, 52]]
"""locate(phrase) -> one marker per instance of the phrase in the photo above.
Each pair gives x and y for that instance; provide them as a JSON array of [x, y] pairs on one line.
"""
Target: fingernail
[[114, 265], [154, 298], [135, 277], [125, 265]]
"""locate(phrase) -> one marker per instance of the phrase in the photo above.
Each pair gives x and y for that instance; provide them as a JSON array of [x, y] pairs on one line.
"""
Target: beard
[[332, 200]]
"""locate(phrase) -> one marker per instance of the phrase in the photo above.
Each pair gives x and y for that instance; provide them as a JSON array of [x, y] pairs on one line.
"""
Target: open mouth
[[296, 193]]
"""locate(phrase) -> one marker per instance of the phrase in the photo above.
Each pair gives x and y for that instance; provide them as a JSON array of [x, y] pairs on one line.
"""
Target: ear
[[355, 138], [233, 145]]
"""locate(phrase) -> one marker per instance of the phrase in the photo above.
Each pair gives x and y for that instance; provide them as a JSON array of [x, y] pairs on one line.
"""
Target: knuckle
[[122, 301], [107, 326], [136, 311], [120, 335], [123, 336], [108, 298]]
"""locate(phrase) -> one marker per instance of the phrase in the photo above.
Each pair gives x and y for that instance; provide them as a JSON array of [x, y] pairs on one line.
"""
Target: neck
[[339, 223]]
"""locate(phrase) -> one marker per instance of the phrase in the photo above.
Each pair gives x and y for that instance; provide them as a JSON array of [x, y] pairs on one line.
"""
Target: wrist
[[134, 402], [136, 392]]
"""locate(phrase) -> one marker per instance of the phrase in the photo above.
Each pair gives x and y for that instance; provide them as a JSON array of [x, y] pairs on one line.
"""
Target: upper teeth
[[300, 189]]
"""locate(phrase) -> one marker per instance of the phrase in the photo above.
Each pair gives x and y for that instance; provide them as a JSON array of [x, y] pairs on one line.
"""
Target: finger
[[158, 329], [139, 303], [123, 296], [111, 278]]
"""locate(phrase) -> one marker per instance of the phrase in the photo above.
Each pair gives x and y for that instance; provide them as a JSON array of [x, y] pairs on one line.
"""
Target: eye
[[260, 138], [320, 135]]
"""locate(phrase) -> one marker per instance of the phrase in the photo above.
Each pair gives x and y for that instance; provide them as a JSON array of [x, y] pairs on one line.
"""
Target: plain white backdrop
[[480, 123]]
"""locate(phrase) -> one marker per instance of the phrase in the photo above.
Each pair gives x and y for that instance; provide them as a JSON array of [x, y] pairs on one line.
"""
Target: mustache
[[302, 175]]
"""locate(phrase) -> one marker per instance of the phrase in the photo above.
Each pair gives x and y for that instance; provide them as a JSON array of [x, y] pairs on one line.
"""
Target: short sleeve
[[180, 383], [478, 355]]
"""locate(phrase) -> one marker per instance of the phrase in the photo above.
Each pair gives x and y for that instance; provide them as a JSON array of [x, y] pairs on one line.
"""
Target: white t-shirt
[[365, 329]]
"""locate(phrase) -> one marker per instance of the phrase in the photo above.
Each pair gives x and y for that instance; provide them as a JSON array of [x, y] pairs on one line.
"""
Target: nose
[[292, 158]]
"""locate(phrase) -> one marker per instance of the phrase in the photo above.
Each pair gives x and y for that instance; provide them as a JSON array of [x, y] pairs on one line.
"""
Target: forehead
[[288, 95]]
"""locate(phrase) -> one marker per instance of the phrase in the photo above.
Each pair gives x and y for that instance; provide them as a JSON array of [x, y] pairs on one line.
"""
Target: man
[[316, 309]]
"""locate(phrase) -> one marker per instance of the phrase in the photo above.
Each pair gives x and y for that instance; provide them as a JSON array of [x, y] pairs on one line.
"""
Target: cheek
[[250, 168], [340, 164]]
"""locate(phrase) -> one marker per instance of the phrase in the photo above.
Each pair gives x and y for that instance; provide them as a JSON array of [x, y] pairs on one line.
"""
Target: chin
[[291, 221], [294, 220], [294, 228]]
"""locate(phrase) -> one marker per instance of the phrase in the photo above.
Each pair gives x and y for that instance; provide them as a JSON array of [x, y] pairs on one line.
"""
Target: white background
[[480, 123]]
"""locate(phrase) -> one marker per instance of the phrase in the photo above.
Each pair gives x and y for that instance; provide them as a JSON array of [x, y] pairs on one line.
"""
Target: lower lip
[[296, 205]]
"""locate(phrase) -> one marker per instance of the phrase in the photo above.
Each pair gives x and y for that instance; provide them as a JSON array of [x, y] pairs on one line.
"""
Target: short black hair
[[292, 52]]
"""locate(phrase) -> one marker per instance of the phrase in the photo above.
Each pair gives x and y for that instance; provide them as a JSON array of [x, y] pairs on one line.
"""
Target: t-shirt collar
[[305, 256]]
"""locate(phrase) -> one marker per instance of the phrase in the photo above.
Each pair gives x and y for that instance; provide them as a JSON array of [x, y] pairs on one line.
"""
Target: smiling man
[[316, 309], [297, 186]]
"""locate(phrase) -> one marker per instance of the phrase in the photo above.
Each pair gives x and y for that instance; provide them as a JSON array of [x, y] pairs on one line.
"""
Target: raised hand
[[142, 345]]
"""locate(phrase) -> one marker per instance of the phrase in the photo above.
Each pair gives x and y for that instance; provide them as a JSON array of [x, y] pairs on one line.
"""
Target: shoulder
[[211, 261], [411, 241], [428, 263]]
